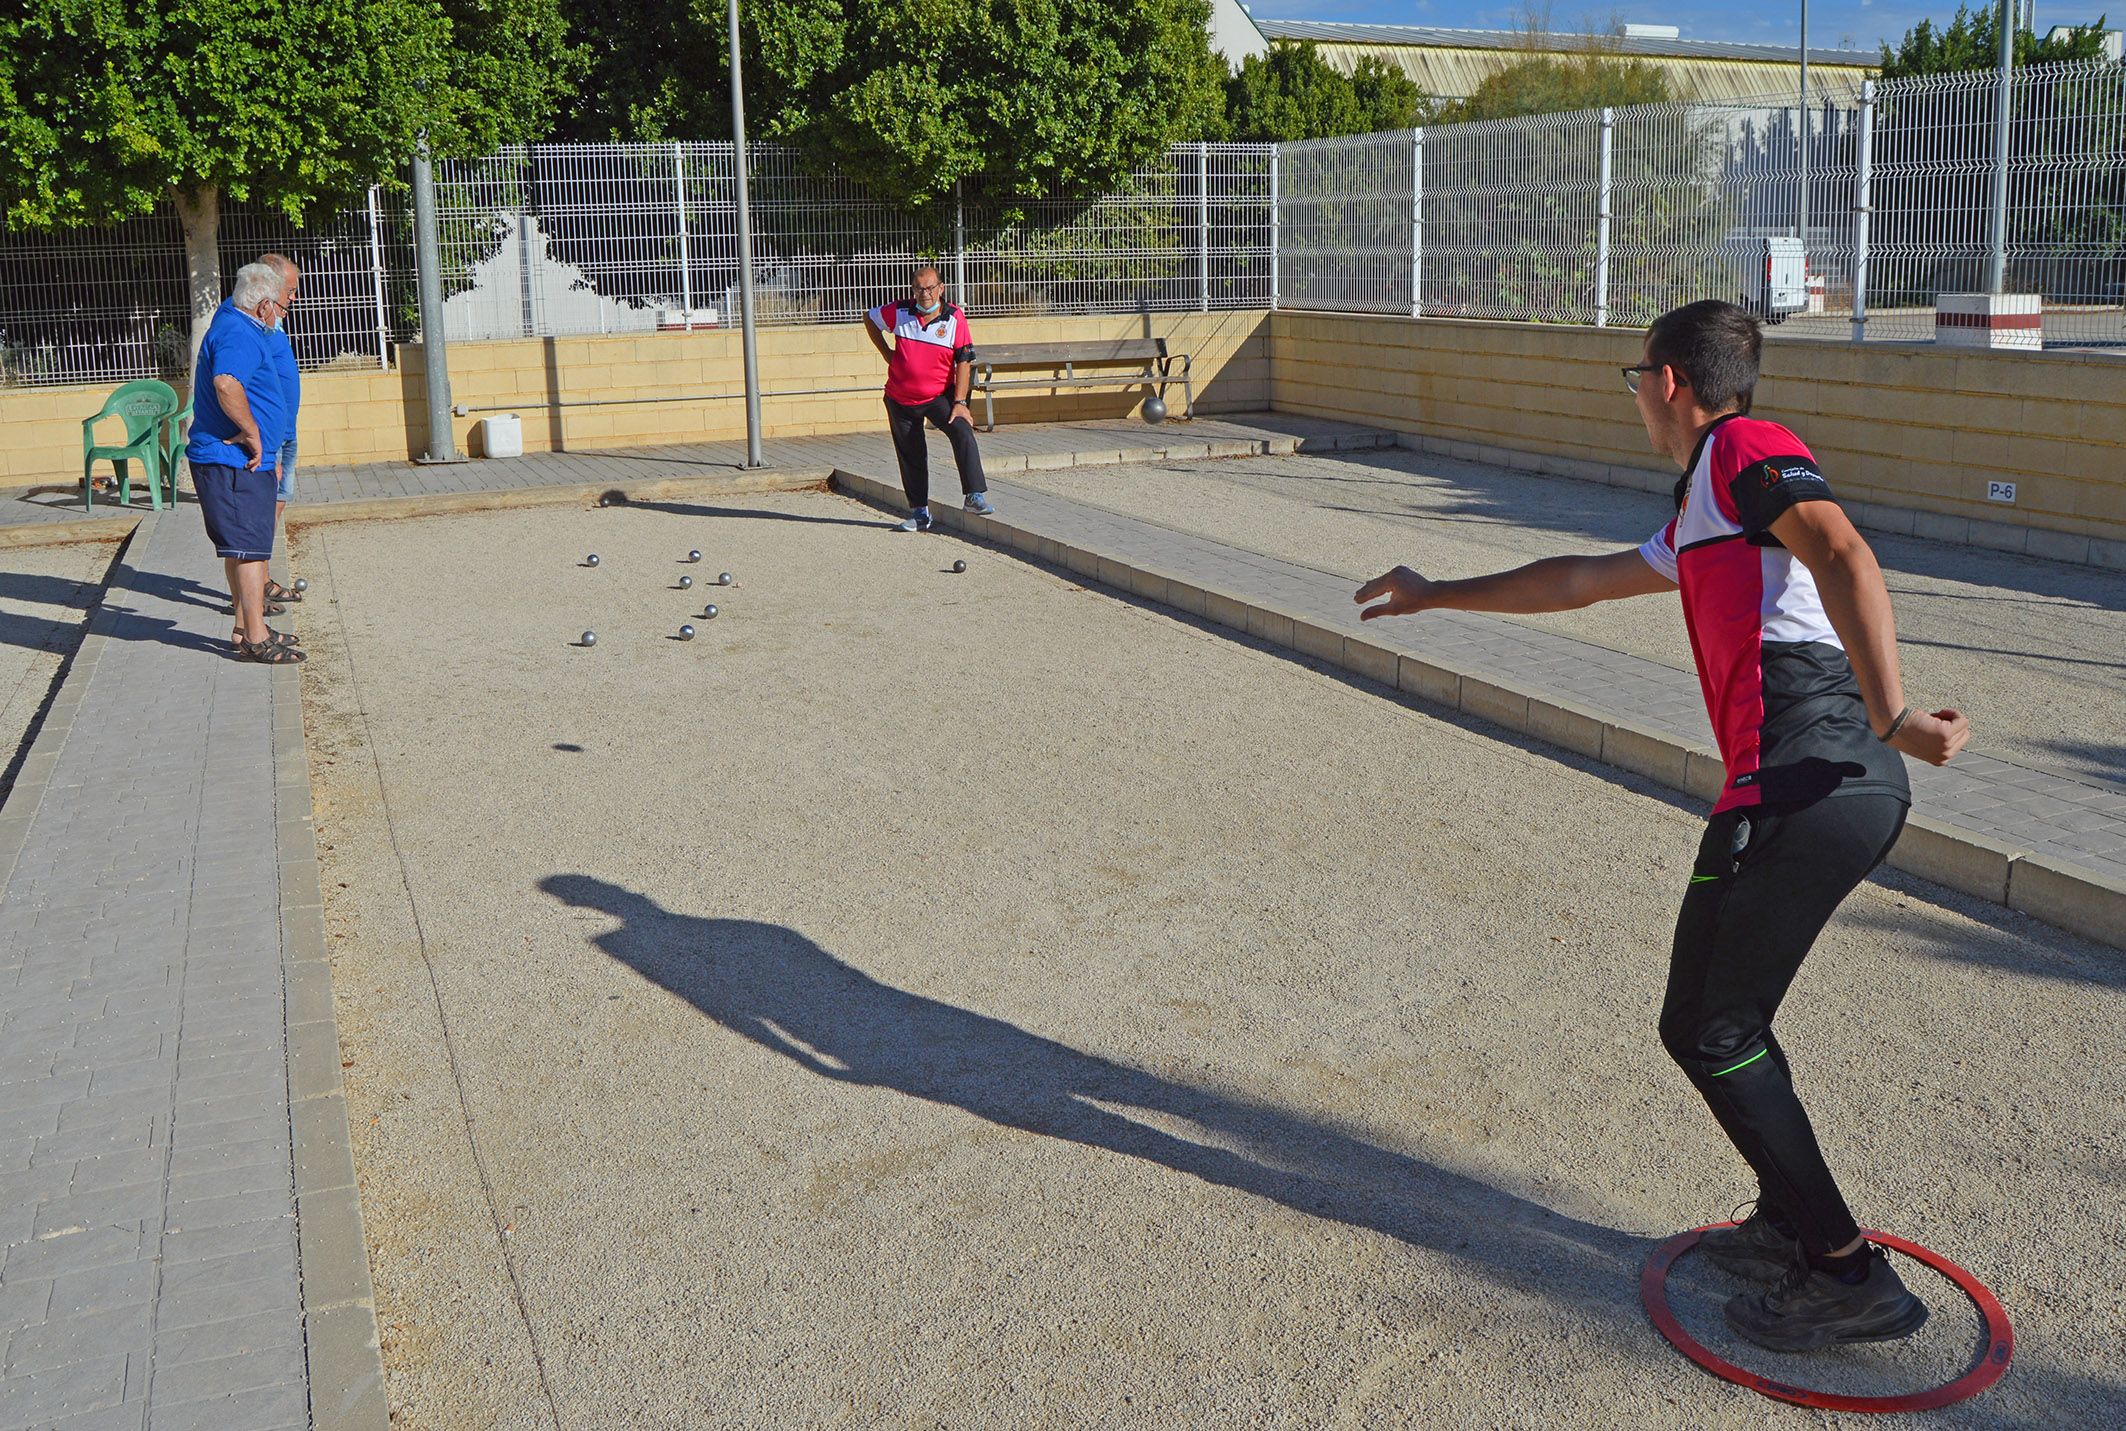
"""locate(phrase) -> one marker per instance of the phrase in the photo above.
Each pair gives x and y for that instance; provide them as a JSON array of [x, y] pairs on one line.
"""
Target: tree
[[1972, 42], [109, 110], [1558, 84], [1293, 93], [1006, 100]]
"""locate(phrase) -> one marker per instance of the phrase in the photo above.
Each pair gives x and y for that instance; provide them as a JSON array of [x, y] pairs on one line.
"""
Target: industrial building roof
[[1437, 37]]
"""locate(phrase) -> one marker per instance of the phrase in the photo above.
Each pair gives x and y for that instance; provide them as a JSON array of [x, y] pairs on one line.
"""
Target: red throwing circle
[[1991, 1364]]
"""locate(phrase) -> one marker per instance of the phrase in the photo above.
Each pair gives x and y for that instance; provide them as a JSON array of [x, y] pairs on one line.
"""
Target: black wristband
[[1896, 725]]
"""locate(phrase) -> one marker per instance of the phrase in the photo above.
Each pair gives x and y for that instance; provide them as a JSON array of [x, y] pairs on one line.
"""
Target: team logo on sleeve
[[1775, 471]]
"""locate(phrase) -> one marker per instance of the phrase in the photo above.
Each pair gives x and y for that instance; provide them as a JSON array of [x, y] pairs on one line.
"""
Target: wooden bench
[[1147, 356]]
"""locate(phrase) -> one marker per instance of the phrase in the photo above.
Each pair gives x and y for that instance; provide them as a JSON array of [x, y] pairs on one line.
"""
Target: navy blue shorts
[[238, 505]]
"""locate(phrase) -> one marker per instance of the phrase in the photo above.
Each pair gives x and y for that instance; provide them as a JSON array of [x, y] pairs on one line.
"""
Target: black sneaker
[[1811, 1310], [1753, 1249]]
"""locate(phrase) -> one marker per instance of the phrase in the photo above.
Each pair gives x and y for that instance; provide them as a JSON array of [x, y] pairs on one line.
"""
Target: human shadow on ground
[[701, 509], [791, 997], [37, 632]]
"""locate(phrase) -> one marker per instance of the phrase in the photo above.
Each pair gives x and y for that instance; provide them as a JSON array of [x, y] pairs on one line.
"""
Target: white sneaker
[[918, 521]]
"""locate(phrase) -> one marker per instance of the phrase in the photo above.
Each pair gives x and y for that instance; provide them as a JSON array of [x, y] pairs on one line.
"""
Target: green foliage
[[107, 109], [1293, 93], [1010, 100], [1972, 42], [1553, 84]]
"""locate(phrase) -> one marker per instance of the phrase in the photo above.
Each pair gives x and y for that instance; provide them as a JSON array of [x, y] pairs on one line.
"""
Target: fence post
[[1203, 226], [686, 277], [1274, 221], [1862, 208], [376, 269], [1602, 204], [959, 247], [428, 261], [1417, 222]]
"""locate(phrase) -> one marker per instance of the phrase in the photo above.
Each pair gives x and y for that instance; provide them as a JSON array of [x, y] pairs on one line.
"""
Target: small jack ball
[[723, 578], [590, 638], [709, 612], [959, 566], [693, 556], [686, 583], [591, 560], [686, 633], [302, 583]]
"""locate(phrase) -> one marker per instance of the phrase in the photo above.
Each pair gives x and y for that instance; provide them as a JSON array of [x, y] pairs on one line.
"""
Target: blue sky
[[1862, 24]]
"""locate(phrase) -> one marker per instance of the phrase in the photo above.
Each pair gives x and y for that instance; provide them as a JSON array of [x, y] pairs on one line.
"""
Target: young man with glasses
[[1796, 648], [929, 369]]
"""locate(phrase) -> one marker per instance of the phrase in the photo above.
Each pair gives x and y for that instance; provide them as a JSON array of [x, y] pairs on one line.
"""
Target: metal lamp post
[[745, 250]]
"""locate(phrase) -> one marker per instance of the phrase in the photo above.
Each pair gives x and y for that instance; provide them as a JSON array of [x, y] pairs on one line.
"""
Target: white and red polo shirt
[[1786, 710], [924, 349]]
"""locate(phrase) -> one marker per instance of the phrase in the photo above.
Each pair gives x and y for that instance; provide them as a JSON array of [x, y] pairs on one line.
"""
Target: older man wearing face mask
[[291, 393], [238, 422], [929, 368]]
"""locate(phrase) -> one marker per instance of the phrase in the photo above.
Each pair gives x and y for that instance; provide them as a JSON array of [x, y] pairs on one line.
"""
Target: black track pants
[[1764, 885], [906, 420]]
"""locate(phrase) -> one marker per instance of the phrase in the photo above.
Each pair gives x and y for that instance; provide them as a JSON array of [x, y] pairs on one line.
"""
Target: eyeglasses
[[926, 288], [1631, 375]]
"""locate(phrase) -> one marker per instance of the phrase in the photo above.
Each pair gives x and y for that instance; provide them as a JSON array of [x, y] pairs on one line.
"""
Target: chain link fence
[[1606, 217]]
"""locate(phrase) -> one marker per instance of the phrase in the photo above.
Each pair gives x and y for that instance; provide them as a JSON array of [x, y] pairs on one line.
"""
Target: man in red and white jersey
[[929, 369], [1796, 651]]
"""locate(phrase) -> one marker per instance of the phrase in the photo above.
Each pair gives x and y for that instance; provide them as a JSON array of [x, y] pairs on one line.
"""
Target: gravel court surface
[[2033, 651], [46, 596], [974, 1000]]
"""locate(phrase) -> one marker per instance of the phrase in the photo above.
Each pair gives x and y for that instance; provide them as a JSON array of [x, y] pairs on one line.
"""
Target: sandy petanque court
[[974, 1000]]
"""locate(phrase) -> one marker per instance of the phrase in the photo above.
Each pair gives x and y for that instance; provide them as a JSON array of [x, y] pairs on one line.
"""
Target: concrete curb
[[65, 531], [22, 802], [345, 1360], [2081, 901], [646, 489]]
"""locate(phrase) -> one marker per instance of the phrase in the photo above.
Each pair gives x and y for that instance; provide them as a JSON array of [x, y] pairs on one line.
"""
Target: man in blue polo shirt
[[292, 394], [238, 421]]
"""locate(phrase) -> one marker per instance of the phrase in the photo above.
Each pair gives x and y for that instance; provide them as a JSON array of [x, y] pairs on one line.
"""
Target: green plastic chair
[[147, 406]]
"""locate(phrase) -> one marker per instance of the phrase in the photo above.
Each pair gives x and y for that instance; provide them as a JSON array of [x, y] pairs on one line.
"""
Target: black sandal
[[269, 653], [276, 592]]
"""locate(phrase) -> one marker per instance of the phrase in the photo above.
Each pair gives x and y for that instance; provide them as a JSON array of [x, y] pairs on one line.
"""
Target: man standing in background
[[292, 395], [238, 425], [929, 368]]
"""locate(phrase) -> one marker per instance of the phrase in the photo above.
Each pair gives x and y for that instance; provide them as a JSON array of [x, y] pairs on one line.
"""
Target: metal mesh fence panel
[[1510, 208], [1346, 223]]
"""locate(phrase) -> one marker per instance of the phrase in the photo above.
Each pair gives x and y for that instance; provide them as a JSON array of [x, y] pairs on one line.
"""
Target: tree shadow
[[783, 992]]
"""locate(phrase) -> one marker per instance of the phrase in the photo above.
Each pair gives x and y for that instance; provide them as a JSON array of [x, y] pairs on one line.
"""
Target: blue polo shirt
[[237, 346], [291, 378]]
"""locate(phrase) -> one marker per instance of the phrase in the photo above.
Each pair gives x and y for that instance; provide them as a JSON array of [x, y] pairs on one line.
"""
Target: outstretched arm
[[1858, 604], [1553, 584]]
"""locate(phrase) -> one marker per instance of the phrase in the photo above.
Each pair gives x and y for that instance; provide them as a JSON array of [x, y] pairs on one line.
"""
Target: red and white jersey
[[924, 349], [1785, 709]]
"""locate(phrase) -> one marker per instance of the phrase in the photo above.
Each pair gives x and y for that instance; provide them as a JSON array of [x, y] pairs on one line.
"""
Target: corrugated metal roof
[[1437, 37], [1455, 73]]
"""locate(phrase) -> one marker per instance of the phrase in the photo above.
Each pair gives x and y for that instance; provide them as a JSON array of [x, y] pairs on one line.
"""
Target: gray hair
[[255, 283]]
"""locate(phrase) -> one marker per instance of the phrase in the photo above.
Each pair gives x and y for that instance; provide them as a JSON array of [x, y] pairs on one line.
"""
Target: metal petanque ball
[[723, 578], [590, 638], [686, 633], [708, 612], [1155, 409], [591, 560], [686, 583], [302, 584], [959, 566], [693, 556]]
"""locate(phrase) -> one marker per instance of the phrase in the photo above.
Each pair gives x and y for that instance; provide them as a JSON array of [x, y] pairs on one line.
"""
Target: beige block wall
[[367, 415], [1921, 428]]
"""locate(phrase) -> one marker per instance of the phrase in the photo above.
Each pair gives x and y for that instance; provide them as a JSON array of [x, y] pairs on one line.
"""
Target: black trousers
[[1764, 885], [906, 420]]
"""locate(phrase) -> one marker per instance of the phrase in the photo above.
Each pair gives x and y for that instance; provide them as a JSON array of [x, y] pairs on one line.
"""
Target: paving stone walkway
[[146, 1184]]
